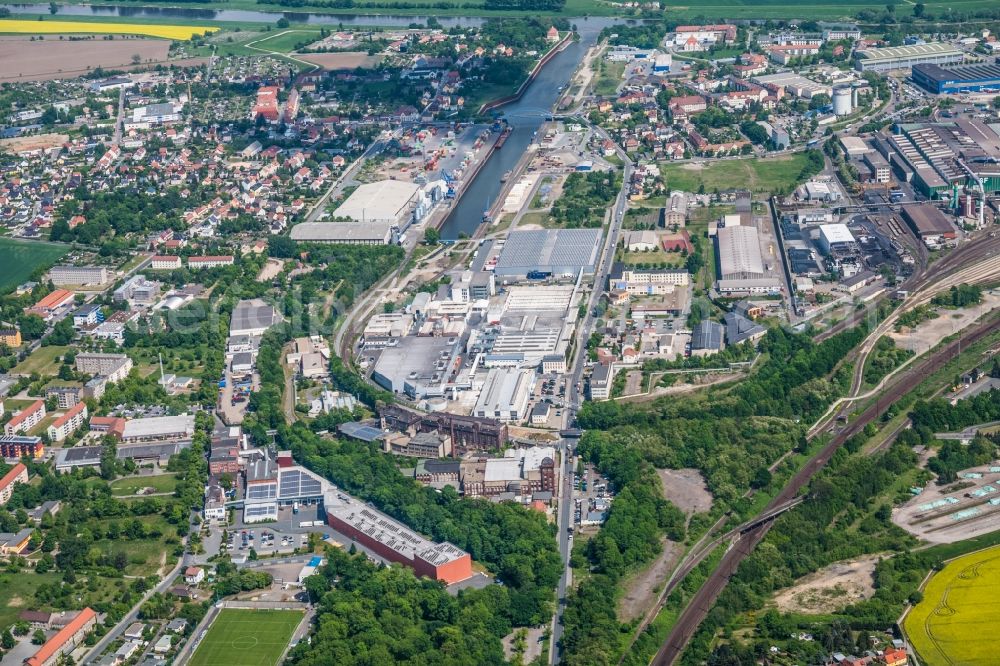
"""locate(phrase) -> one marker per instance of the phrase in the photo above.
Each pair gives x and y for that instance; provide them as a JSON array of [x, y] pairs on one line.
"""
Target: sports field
[[177, 32], [959, 612], [19, 259], [247, 638]]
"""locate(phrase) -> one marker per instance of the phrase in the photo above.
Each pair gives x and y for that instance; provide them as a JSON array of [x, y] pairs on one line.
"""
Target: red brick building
[[394, 542]]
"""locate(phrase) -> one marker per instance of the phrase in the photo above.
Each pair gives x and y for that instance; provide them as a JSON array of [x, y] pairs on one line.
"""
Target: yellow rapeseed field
[[951, 626], [176, 32]]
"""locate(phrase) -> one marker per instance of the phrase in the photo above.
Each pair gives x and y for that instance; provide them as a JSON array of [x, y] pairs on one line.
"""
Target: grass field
[[42, 361], [176, 32], [125, 487], [16, 592], [286, 41], [609, 78], [150, 555], [758, 175], [958, 611], [19, 259], [246, 637]]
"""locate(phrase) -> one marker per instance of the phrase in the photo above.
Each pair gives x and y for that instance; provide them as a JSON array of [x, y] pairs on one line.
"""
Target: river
[[525, 116], [238, 15]]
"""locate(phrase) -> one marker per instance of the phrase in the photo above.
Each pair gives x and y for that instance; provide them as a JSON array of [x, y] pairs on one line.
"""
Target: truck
[[295, 507], [306, 523]]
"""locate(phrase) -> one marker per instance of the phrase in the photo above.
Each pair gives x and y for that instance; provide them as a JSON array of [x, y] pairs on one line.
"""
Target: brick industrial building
[[468, 433], [393, 541]]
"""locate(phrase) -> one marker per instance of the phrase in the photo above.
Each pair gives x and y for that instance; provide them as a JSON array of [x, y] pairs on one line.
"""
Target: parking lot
[[290, 531], [550, 389], [591, 497], [235, 395]]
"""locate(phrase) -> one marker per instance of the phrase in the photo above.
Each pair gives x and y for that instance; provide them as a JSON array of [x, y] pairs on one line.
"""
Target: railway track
[[702, 602], [980, 248]]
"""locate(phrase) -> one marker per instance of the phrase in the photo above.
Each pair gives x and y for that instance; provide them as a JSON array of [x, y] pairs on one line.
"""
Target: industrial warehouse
[[939, 157], [470, 349], [344, 233], [957, 79], [549, 252], [741, 265], [904, 57], [469, 353]]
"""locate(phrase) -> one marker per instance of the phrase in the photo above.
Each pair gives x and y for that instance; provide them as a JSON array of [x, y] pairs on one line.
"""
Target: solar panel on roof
[[266, 491], [296, 483]]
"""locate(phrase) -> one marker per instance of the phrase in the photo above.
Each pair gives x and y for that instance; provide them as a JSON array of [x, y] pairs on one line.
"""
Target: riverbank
[[438, 217], [557, 48], [421, 9]]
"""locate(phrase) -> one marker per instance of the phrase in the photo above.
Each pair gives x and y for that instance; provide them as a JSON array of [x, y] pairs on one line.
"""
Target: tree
[[38, 638], [754, 132], [281, 247], [762, 478], [7, 640], [819, 101], [45, 563], [432, 236], [282, 23], [109, 459], [919, 10], [62, 333], [136, 58], [32, 326], [53, 8]]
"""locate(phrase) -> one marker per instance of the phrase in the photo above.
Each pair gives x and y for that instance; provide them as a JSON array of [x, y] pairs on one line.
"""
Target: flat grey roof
[[342, 231], [912, 51], [157, 426], [556, 250], [251, 315], [242, 358], [414, 360], [600, 375], [384, 201]]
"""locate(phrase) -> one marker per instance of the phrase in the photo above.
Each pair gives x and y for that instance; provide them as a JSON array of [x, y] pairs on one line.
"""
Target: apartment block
[[26, 419], [68, 423]]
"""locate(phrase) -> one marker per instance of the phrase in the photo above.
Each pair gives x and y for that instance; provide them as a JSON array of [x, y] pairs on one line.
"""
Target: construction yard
[[686, 489], [832, 588], [929, 333]]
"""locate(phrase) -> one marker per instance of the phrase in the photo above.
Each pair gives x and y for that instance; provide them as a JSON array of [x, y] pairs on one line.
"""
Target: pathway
[[287, 56]]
